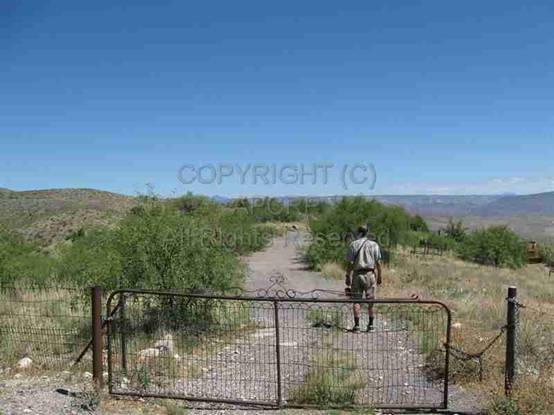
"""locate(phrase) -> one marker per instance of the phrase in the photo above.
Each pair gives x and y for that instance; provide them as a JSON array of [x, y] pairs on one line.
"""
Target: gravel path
[[388, 356]]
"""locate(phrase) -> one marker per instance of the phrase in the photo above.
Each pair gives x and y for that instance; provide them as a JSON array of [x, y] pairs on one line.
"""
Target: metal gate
[[281, 348]]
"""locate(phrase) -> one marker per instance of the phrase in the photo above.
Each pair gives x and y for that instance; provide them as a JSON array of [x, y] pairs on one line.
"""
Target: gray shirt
[[369, 255]]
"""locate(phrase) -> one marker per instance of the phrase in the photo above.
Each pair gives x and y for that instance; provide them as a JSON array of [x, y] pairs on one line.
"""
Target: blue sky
[[441, 97]]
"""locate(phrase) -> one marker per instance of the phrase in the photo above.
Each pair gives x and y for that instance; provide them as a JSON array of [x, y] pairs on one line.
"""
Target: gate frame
[[281, 296]]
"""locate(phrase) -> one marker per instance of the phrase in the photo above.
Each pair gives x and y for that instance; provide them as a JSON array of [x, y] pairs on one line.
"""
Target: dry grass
[[333, 379], [51, 326], [332, 271], [476, 295]]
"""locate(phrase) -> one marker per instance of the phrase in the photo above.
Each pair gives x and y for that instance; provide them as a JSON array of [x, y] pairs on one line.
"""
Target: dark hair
[[362, 230]]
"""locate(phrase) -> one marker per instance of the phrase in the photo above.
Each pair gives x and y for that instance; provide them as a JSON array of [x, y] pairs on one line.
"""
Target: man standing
[[363, 273]]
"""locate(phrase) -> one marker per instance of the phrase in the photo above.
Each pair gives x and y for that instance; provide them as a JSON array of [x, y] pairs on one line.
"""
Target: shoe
[[370, 329], [355, 329]]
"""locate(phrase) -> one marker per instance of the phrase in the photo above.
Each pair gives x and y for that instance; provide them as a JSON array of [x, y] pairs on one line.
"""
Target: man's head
[[362, 231]]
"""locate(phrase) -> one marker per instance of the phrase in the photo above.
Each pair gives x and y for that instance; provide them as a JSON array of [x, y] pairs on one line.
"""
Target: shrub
[[328, 317], [190, 203], [163, 249], [502, 406], [418, 224], [547, 254], [235, 229], [329, 230], [22, 260], [333, 379], [159, 247], [497, 246], [92, 258], [455, 230]]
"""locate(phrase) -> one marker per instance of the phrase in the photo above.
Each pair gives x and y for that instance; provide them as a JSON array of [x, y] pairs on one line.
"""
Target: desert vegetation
[[194, 244], [471, 275], [187, 243], [333, 380]]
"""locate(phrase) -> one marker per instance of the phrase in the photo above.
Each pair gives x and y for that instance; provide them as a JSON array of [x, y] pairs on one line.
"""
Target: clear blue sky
[[441, 96]]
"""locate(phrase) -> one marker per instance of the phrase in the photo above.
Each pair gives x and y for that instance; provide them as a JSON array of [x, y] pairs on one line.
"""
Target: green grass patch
[[333, 380]]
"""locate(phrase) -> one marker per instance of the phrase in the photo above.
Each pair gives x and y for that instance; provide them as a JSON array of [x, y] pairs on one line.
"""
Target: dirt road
[[388, 356]]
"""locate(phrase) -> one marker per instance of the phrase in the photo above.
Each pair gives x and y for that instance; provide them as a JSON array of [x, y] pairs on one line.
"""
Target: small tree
[[455, 230], [418, 224], [497, 246]]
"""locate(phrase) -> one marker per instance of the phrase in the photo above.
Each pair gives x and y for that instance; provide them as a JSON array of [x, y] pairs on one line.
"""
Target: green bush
[[190, 203], [333, 379], [236, 229], [164, 249], [418, 224], [327, 317], [389, 224], [22, 260], [92, 259], [547, 254], [455, 230], [167, 246], [502, 406], [497, 246]]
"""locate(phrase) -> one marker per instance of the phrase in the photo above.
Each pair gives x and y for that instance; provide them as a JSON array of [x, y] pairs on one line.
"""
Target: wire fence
[[48, 324], [267, 350], [534, 339], [277, 352]]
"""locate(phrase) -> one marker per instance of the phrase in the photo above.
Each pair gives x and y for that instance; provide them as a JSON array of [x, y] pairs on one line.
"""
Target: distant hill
[[541, 204], [439, 205], [48, 216]]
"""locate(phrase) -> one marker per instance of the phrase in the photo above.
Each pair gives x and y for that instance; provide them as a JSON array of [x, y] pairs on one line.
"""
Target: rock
[[24, 363], [165, 344], [147, 354], [457, 325], [87, 375], [18, 376]]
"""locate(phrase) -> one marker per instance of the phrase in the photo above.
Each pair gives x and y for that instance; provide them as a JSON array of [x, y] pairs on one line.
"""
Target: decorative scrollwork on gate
[[278, 288]]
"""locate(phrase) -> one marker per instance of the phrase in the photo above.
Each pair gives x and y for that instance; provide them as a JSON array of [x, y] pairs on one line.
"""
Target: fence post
[[278, 352], [122, 328], [97, 346], [510, 369]]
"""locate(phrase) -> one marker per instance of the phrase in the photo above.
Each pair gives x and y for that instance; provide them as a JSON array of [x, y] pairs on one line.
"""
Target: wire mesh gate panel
[[49, 324], [287, 352]]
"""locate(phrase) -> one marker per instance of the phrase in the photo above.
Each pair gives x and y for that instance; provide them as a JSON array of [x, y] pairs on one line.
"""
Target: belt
[[364, 271]]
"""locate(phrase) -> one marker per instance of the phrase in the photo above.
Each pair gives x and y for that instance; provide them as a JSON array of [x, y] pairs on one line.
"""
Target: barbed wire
[[528, 307]]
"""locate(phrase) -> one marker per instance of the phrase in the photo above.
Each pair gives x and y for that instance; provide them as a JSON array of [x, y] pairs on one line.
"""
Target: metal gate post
[[447, 356], [123, 340], [510, 341], [97, 346], [278, 353]]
